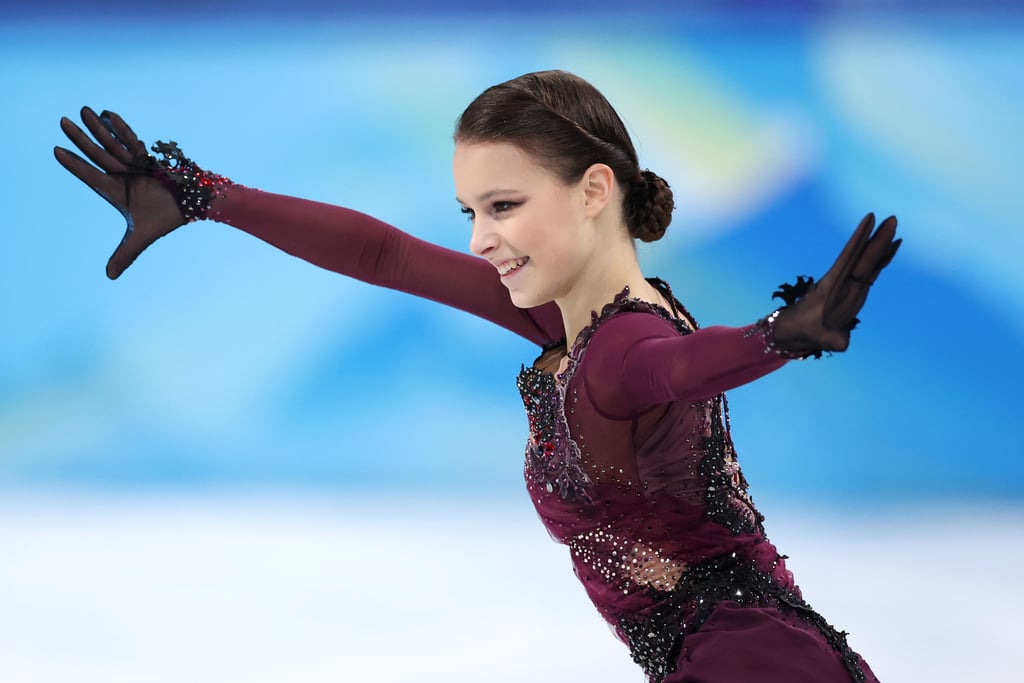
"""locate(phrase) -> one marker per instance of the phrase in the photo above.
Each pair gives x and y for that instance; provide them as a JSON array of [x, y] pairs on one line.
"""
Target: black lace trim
[[656, 639], [726, 497], [623, 302], [193, 187], [790, 294], [552, 457]]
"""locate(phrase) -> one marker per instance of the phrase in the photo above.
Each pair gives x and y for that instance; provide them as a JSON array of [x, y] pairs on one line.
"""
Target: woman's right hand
[[128, 177]]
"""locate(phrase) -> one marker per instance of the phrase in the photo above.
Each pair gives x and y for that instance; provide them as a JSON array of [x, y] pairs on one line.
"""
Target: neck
[[600, 286]]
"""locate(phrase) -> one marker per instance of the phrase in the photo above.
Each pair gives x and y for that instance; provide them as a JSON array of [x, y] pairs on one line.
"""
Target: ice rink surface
[[276, 586]]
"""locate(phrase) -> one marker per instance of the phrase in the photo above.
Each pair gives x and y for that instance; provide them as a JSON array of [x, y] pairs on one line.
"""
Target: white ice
[[153, 588]]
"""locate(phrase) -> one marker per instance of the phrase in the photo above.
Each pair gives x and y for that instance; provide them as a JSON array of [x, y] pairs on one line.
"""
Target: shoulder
[[634, 324], [622, 326], [626, 316], [616, 336], [614, 369]]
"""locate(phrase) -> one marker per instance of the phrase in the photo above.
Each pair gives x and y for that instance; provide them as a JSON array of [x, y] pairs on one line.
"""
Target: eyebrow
[[488, 195]]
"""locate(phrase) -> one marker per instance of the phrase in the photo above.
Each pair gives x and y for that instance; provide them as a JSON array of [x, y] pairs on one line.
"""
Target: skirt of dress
[[759, 645]]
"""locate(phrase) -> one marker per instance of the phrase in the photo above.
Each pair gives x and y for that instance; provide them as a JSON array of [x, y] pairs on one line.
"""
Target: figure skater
[[629, 460]]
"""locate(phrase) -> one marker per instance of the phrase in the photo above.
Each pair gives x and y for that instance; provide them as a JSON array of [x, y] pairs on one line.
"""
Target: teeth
[[509, 266]]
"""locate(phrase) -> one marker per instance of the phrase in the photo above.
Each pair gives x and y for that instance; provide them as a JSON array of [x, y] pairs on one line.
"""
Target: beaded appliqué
[[628, 564], [192, 187], [726, 497], [552, 457], [790, 294], [655, 641], [766, 328], [679, 596]]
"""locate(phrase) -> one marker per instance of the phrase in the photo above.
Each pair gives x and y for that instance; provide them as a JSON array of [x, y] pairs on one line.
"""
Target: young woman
[[629, 461]]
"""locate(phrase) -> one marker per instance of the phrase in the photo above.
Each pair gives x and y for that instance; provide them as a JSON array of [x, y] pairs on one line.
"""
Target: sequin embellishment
[[644, 574], [193, 187], [628, 565], [726, 497], [552, 457], [655, 641]]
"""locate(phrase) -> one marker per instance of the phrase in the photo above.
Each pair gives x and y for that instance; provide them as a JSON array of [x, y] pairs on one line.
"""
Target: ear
[[598, 184]]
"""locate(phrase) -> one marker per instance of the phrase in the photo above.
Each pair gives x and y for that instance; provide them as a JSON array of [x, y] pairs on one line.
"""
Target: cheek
[[553, 233], [567, 247]]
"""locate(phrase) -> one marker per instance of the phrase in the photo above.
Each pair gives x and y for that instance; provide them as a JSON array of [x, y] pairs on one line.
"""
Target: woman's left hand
[[821, 317]]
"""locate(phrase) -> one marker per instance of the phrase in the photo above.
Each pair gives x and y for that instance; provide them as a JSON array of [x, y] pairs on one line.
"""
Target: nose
[[483, 239]]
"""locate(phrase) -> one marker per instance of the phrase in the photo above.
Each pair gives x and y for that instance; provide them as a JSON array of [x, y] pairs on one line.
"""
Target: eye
[[467, 212], [502, 207]]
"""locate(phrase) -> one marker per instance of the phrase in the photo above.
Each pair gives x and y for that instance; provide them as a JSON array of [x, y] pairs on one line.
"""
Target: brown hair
[[566, 124]]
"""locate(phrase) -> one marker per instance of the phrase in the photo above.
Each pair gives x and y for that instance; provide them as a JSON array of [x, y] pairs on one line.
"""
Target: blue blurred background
[[218, 360], [218, 365]]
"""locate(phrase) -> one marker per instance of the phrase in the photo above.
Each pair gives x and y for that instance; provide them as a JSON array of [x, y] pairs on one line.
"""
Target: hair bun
[[650, 205]]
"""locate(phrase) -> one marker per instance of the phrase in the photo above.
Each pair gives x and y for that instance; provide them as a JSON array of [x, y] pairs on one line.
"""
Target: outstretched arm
[[360, 246], [636, 361], [158, 196]]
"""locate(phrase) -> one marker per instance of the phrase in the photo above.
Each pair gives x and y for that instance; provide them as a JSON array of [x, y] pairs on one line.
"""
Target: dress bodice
[[652, 504]]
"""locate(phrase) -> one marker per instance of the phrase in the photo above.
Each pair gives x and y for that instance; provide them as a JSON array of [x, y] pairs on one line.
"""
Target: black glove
[[818, 316], [154, 196]]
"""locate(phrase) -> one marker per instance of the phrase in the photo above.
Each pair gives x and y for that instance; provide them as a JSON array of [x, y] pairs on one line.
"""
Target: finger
[[842, 306], [125, 134], [851, 252], [105, 136], [885, 259], [132, 244], [104, 185], [892, 253], [889, 253], [83, 142], [124, 255], [850, 294], [877, 253]]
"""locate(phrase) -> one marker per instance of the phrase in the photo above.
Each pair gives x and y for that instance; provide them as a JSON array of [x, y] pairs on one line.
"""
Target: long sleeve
[[636, 361], [362, 247]]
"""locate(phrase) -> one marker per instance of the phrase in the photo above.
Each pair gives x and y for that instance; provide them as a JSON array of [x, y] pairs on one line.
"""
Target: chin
[[527, 300]]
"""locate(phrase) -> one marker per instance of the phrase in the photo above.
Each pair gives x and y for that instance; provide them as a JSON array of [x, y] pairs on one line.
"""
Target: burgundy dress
[[629, 461]]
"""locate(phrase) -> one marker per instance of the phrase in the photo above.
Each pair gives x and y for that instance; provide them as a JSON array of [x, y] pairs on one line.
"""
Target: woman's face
[[526, 221]]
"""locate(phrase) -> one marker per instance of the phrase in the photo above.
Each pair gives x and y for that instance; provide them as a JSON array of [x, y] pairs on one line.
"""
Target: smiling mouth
[[512, 266]]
